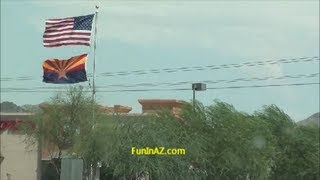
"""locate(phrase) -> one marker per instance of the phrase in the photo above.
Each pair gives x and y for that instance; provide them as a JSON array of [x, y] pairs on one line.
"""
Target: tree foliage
[[220, 142], [63, 123]]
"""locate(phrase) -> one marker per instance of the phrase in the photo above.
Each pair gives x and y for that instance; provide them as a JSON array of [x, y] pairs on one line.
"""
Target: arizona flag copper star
[[65, 71]]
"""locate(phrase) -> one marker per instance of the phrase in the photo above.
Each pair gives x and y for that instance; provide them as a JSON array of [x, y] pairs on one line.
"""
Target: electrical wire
[[189, 82], [183, 69], [145, 84], [215, 81], [176, 89], [212, 67]]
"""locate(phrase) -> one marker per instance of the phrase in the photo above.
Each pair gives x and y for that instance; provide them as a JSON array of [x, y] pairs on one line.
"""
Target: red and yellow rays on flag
[[65, 71]]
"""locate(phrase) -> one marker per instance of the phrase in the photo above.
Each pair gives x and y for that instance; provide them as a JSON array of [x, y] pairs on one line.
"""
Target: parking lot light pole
[[197, 87]]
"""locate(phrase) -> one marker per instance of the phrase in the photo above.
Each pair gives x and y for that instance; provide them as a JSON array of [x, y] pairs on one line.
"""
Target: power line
[[145, 84], [212, 67], [212, 88], [216, 81], [184, 69], [176, 89]]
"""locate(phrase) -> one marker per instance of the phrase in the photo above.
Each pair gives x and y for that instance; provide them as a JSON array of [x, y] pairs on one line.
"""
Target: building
[[155, 105], [19, 161]]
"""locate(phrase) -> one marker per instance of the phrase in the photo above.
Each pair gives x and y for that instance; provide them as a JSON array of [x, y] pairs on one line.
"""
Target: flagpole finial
[[97, 7]]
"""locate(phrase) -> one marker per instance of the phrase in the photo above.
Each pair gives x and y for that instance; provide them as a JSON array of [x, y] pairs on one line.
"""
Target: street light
[[197, 87]]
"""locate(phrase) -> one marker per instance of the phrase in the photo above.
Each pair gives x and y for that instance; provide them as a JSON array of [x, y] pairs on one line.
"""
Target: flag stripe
[[61, 30], [49, 35], [78, 67], [51, 65], [59, 25], [66, 39], [64, 44], [75, 64], [59, 19], [56, 23], [67, 36], [68, 31]]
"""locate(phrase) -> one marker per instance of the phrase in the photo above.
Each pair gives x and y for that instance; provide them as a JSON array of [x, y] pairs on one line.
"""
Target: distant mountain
[[7, 106], [314, 119]]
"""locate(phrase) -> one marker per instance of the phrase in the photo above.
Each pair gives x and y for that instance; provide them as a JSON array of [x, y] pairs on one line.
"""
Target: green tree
[[220, 143], [147, 131], [61, 121], [296, 147], [302, 156], [92, 141]]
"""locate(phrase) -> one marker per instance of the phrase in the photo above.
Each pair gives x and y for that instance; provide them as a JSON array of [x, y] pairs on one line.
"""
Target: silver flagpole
[[91, 175], [94, 55]]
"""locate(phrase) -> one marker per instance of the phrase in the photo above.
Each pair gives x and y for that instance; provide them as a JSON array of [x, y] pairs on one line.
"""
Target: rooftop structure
[[154, 105]]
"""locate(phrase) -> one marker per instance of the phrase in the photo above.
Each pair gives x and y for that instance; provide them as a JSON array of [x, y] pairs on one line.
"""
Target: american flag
[[68, 31]]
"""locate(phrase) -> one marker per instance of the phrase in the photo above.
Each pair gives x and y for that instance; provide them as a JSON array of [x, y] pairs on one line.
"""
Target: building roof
[[14, 113], [116, 109], [161, 101], [14, 116]]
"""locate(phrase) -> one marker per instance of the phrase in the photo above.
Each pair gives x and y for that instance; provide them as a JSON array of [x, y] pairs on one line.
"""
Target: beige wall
[[19, 162]]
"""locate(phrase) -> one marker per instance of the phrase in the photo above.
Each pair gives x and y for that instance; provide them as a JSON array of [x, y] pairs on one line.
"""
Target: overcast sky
[[142, 35]]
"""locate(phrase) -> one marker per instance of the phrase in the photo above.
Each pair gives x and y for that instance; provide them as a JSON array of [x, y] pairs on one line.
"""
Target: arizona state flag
[[65, 71]]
